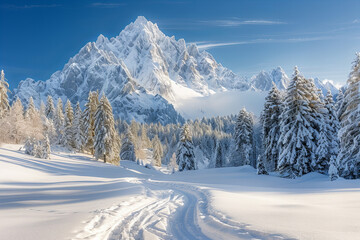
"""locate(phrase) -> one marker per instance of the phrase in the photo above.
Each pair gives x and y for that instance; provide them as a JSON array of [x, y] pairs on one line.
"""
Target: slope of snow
[[72, 196]]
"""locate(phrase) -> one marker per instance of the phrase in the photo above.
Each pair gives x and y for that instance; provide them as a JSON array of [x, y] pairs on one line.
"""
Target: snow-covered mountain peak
[[102, 40], [144, 73], [264, 80], [324, 86], [141, 27]]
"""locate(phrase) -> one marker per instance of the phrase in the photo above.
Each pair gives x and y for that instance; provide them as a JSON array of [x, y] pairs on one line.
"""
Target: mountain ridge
[[145, 74]]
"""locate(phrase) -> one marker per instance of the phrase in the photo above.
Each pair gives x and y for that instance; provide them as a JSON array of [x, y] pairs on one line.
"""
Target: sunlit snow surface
[[72, 196]]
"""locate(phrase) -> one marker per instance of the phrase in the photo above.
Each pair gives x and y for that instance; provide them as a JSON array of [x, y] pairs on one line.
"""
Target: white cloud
[[235, 22], [213, 45], [208, 45]]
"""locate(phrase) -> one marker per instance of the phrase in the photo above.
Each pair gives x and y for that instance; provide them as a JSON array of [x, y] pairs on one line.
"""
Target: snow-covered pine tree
[[219, 155], [296, 143], [42, 109], [31, 110], [349, 133], [38, 150], [270, 119], [340, 105], [68, 138], [145, 141], [106, 144], [34, 124], [49, 128], [59, 121], [333, 168], [29, 146], [157, 151], [46, 148], [134, 128], [322, 151], [244, 138], [50, 108], [317, 117], [172, 165], [260, 166], [332, 126], [17, 126], [89, 120], [185, 156], [78, 129], [4, 100], [127, 147]]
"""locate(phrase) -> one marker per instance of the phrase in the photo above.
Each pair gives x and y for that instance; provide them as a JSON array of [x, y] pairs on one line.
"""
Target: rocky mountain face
[[325, 86], [138, 71], [263, 81], [143, 72]]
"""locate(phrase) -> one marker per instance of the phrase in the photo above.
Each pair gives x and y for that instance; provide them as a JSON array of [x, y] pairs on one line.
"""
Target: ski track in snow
[[180, 212]]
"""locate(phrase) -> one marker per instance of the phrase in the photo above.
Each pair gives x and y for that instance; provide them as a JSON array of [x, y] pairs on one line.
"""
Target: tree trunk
[[104, 158]]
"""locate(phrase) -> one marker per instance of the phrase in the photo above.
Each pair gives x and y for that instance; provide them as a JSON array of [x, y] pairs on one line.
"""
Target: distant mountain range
[[146, 74]]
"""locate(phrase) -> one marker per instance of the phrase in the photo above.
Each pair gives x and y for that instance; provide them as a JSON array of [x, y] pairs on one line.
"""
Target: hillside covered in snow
[[72, 196]]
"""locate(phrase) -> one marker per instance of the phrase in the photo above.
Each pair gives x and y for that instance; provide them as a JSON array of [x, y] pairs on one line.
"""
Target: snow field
[[72, 196]]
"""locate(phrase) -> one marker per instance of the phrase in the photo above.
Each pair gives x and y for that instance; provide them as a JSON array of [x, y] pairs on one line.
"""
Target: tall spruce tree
[[59, 121], [46, 150], [78, 129], [331, 123], [317, 116], [50, 108], [322, 152], [68, 137], [270, 119], [340, 105], [89, 120], [185, 156], [30, 110], [145, 141], [244, 139], [157, 151], [4, 100], [17, 128], [106, 145], [42, 108], [219, 161], [260, 166], [296, 141], [349, 133], [127, 147], [333, 169]]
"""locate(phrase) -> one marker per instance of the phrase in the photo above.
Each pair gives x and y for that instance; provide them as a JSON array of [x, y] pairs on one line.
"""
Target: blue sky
[[321, 37]]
